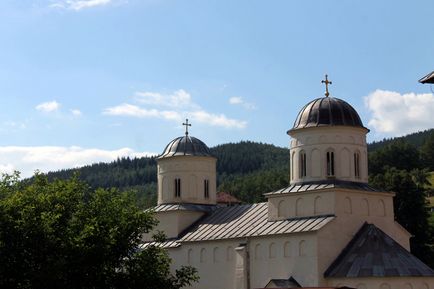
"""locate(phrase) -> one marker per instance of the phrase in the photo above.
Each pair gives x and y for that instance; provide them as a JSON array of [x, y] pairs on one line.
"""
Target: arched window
[[292, 165], [357, 165], [206, 189], [330, 164], [302, 167], [177, 187]]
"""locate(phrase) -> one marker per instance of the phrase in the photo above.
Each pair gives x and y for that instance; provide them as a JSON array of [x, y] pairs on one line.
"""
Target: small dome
[[185, 146], [327, 111]]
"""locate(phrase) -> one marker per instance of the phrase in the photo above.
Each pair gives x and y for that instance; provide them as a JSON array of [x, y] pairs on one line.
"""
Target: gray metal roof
[[166, 244], [185, 146], [327, 111], [248, 221], [372, 253], [184, 207], [320, 185]]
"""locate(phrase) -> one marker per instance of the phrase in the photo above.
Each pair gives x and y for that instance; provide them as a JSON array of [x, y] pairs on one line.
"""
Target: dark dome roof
[[327, 111], [185, 146]]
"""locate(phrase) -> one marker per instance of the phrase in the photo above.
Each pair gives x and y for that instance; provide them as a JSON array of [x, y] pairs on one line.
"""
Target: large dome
[[185, 146], [327, 111]]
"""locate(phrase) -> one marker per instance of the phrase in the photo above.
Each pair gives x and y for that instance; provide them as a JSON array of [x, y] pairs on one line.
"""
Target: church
[[327, 229]]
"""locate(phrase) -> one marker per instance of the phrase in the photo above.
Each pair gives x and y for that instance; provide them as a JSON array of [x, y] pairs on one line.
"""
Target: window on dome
[[177, 187], [206, 189], [302, 164], [357, 165], [330, 164]]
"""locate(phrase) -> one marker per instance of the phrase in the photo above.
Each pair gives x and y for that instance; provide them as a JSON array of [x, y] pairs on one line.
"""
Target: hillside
[[246, 169]]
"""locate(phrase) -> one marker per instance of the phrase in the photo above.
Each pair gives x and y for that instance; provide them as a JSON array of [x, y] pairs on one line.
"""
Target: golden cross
[[327, 82], [186, 126]]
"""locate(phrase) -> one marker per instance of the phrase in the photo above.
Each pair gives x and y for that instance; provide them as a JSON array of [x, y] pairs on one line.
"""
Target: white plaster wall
[[192, 170], [303, 204], [384, 283], [344, 141], [276, 257], [172, 223]]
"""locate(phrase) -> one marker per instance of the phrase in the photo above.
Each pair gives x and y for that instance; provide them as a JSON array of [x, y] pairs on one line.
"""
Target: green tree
[[399, 154], [62, 234], [427, 152], [410, 207]]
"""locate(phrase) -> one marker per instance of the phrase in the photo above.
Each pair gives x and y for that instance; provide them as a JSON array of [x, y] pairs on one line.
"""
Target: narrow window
[[302, 164], [206, 189], [357, 165], [330, 164], [177, 188]]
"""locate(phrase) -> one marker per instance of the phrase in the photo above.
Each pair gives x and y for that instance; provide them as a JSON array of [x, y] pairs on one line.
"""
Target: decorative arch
[[318, 205], [216, 255], [202, 255], [299, 207], [190, 256], [424, 286], [287, 249], [381, 208], [348, 208], [229, 253], [258, 252], [385, 286], [281, 209], [365, 207], [302, 248], [272, 251], [192, 192], [293, 165], [315, 163], [345, 163], [361, 286], [408, 286]]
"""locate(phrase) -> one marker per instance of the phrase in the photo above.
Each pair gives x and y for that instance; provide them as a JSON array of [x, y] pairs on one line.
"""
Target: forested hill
[[246, 169], [416, 139]]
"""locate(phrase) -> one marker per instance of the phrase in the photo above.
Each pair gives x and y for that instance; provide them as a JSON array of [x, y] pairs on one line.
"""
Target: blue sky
[[89, 80]]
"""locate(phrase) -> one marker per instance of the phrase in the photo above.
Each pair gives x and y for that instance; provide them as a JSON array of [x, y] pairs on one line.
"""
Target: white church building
[[328, 228]]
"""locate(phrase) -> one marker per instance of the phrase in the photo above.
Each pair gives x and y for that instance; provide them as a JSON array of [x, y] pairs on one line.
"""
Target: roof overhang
[[429, 78]]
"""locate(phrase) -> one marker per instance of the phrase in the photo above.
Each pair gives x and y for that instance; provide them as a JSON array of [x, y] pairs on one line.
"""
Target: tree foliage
[[63, 234]]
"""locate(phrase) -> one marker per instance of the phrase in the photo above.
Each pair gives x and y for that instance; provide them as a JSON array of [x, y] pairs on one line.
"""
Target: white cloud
[[51, 158], [216, 119], [178, 99], [136, 111], [49, 106], [78, 4], [398, 114], [181, 104], [76, 112], [237, 100]]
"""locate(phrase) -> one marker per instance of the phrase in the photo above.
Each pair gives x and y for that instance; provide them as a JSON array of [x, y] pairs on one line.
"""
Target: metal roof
[[429, 78], [248, 221], [166, 244], [372, 253], [183, 207], [325, 184], [185, 146], [327, 111]]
